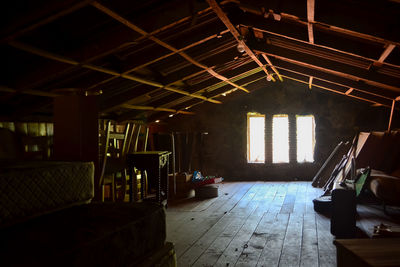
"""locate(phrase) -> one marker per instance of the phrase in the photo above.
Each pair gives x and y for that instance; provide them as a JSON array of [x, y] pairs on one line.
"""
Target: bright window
[[305, 133], [256, 138], [280, 139]]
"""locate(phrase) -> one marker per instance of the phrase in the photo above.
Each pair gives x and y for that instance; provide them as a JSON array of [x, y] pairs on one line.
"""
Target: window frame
[[252, 115], [313, 138], [272, 138]]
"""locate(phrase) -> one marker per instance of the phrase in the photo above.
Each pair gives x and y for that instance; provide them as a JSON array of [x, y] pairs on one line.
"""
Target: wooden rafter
[[46, 20], [310, 84], [384, 78], [27, 92], [218, 85], [304, 73], [310, 18], [336, 91], [272, 66], [335, 72], [132, 26], [115, 49], [128, 106], [391, 114], [123, 100], [217, 9], [318, 46], [320, 25], [389, 48], [66, 60], [157, 59], [349, 91]]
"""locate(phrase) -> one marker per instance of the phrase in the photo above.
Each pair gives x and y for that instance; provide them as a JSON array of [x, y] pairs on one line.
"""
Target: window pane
[[280, 139], [305, 138], [256, 141]]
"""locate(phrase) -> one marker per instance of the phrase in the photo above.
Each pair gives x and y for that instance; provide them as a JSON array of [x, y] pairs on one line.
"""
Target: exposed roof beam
[[46, 20], [27, 92], [218, 85], [309, 71], [389, 48], [258, 32], [320, 25], [310, 18], [391, 115], [335, 91], [219, 94], [128, 106], [66, 60], [325, 65], [158, 59], [310, 82], [162, 43], [106, 50], [125, 99], [177, 51], [224, 18], [349, 91]]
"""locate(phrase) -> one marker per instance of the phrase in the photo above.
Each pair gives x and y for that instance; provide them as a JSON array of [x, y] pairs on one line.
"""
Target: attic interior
[[200, 133]]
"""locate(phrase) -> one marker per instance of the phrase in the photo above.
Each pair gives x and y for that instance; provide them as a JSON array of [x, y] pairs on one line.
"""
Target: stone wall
[[223, 150]]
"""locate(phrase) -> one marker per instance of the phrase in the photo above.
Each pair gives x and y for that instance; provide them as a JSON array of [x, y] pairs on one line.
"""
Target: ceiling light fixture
[[157, 121], [240, 48], [170, 115], [269, 77]]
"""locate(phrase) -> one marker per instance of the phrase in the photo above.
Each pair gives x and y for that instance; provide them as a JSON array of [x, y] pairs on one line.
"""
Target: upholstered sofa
[[47, 218]]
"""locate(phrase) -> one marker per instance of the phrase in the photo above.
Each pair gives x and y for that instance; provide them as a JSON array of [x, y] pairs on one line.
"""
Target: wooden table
[[368, 252], [156, 164]]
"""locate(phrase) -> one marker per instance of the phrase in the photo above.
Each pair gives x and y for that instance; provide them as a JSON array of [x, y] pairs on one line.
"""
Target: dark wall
[[223, 150]]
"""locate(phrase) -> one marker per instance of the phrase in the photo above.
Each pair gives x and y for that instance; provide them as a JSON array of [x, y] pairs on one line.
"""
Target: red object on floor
[[208, 181]]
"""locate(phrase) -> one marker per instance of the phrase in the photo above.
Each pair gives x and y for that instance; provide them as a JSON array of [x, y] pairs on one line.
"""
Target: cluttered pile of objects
[[184, 185], [371, 163]]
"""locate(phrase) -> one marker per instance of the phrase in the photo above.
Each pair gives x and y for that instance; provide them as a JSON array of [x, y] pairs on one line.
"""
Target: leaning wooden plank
[[320, 177]]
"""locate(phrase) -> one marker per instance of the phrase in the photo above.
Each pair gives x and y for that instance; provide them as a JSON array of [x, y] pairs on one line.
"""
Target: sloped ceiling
[[150, 59]]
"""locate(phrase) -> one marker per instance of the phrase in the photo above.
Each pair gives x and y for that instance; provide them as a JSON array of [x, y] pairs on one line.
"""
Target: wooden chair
[[114, 145]]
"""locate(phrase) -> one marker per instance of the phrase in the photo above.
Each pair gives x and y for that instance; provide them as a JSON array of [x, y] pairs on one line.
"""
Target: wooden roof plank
[[66, 60], [162, 43], [138, 107], [46, 20], [335, 91], [310, 18], [224, 18]]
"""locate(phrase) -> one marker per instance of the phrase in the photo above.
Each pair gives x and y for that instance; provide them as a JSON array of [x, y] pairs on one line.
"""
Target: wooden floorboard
[[257, 224]]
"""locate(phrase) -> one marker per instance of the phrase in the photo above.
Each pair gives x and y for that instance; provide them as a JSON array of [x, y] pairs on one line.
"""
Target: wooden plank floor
[[252, 224]]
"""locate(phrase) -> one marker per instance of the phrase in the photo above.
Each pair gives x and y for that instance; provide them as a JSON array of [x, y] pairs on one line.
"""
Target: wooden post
[[391, 115], [76, 131]]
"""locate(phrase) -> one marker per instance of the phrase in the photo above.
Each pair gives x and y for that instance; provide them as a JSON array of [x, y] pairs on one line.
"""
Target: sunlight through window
[[305, 138], [256, 138], [280, 139]]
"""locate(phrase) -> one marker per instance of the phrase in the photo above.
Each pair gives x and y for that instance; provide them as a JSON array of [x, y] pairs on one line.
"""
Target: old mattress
[[95, 234], [29, 189]]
